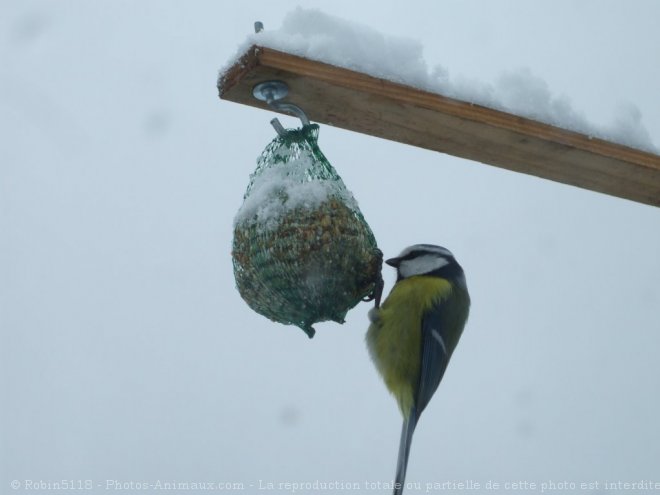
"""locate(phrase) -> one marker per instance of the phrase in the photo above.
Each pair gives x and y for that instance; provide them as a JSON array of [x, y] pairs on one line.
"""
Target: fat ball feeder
[[302, 251]]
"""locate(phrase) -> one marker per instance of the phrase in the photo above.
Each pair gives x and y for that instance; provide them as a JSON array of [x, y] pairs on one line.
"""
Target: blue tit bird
[[414, 333]]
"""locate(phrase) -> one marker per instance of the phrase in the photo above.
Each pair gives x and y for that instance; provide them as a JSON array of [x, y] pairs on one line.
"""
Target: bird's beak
[[395, 262]]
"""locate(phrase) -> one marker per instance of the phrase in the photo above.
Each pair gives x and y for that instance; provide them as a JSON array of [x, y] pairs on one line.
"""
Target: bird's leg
[[376, 293]]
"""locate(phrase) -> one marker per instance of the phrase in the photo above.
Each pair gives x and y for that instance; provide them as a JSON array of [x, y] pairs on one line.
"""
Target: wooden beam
[[362, 103]]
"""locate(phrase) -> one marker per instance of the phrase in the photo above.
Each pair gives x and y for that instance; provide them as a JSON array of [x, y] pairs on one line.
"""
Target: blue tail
[[407, 431]]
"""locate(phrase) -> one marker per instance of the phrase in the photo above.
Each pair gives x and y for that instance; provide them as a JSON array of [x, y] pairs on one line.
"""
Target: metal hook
[[272, 92]]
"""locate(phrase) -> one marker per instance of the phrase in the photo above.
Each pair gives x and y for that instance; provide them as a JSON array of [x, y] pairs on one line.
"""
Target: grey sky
[[127, 354]]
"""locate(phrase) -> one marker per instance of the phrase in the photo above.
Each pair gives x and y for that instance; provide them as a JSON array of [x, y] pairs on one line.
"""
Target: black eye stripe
[[421, 252], [414, 254]]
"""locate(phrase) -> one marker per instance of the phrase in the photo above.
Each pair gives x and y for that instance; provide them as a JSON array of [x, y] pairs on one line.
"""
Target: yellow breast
[[394, 337]]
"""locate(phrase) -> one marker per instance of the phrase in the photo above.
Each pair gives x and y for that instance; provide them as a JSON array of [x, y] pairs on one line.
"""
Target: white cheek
[[421, 264]]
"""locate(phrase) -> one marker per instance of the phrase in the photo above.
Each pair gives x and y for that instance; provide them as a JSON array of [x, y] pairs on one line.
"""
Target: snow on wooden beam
[[362, 103]]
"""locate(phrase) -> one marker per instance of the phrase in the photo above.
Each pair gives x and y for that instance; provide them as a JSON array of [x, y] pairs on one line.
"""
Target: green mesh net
[[302, 251]]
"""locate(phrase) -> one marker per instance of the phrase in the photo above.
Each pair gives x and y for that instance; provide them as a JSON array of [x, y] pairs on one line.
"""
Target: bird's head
[[427, 259]]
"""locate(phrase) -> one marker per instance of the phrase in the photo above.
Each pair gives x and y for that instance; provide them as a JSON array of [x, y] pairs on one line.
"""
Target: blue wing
[[437, 347]]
